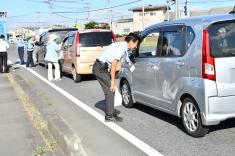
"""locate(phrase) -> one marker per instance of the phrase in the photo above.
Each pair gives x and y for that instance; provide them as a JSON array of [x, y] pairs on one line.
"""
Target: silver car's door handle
[[180, 63], [155, 67]]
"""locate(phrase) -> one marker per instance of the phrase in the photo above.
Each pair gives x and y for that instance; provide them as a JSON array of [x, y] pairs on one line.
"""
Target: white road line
[[119, 130]]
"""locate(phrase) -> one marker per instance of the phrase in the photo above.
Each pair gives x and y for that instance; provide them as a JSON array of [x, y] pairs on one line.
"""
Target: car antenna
[[232, 12]]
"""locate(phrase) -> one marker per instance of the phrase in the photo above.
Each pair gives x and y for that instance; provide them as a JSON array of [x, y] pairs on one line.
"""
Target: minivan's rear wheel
[[126, 94], [76, 77], [191, 119]]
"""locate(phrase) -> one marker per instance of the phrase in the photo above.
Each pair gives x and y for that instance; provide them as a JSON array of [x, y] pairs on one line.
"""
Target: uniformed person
[[105, 69]]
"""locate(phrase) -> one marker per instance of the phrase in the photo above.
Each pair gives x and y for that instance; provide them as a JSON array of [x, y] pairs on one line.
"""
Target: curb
[[65, 137]]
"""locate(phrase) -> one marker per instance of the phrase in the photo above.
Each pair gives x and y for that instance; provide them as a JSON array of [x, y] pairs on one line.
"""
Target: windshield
[[93, 39], [222, 37]]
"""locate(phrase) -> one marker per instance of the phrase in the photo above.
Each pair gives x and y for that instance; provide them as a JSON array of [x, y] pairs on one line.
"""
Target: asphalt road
[[159, 130]]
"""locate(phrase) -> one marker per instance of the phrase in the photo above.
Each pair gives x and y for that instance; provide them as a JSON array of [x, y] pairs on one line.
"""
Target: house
[[218, 10], [152, 15], [123, 26]]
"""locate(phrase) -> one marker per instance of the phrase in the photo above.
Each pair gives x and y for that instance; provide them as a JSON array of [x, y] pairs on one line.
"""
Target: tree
[[91, 25]]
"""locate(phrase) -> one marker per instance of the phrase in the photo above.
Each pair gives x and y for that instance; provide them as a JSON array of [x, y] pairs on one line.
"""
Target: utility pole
[[50, 12], [88, 7], [110, 15], [186, 13], [167, 10], [39, 19], [177, 14], [143, 14]]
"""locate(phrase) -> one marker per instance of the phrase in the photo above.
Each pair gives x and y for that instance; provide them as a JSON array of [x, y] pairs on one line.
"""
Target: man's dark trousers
[[3, 62], [30, 59], [103, 76], [21, 54]]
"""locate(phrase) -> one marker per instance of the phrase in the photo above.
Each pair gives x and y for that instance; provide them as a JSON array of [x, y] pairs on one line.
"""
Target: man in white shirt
[[3, 54], [105, 69]]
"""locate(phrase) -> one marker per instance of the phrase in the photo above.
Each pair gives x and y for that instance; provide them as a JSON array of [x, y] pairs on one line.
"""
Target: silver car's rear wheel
[[126, 94], [191, 119]]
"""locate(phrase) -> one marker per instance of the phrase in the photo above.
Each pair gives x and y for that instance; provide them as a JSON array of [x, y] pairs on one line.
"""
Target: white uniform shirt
[[3, 46], [115, 51]]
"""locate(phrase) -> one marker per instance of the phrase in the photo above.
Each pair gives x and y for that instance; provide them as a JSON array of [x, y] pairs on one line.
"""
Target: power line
[[100, 9], [27, 14]]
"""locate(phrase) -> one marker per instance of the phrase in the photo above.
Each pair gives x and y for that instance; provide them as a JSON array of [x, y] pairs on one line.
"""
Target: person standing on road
[[30, 48], [3, 55], [52, 57], [105, 69], [21, 45]]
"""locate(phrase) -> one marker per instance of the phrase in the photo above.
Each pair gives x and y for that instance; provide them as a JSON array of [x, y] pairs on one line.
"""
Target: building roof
[[124, 20], [219, 10], [149, 8]]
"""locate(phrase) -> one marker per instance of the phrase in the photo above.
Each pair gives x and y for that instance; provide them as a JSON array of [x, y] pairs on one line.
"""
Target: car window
[[173, 43], [190, 36], [43, 39], [149, 45], [93, 39], [222, 37], [71, 40], [60, 35], [65, 43]]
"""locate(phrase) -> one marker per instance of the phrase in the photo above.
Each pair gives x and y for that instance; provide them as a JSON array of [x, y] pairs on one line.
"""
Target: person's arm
[[57, 47], [7, 45], [113, 72]]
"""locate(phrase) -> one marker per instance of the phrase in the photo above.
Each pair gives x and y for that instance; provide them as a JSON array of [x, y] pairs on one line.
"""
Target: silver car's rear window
[[93, 39], [222, 39]]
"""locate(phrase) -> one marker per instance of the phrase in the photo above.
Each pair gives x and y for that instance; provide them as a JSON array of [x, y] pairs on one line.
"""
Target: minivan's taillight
[[114, 37], [208, 62], [77, 45]]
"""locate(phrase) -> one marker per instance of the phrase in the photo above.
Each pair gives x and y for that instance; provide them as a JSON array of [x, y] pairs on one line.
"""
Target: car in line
[[82, 48], [185, 68], [42, 44]]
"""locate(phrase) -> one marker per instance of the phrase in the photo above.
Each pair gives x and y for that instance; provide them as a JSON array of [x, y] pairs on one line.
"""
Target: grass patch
[[35, 117]]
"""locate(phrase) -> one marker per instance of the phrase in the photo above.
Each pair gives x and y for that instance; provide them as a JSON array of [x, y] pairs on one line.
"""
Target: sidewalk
[[17, 136]]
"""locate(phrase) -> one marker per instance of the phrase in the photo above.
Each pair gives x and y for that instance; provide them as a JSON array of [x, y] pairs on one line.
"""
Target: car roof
[[66, 29], [205, 21], [93, 30]]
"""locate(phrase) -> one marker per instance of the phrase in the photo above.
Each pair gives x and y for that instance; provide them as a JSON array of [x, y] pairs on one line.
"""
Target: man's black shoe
[[113, 119]]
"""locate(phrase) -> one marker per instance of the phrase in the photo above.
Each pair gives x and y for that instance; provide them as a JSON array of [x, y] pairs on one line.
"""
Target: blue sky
[[26, 12]]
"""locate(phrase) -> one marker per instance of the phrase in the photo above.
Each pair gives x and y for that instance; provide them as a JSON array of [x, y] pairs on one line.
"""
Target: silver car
[[185, 68]]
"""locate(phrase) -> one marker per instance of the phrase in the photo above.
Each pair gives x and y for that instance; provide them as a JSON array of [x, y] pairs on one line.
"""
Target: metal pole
[[186, 6], [110, 16], [178, 11], [50, 13], [167, 10], [142, 14]]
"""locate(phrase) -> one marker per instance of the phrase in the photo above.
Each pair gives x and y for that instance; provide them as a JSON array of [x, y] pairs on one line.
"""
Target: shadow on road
[[230, 123], [177, 121], [160, 115], [11, 66], [101, 105], [84, 77]]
